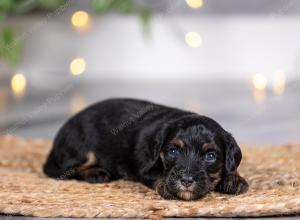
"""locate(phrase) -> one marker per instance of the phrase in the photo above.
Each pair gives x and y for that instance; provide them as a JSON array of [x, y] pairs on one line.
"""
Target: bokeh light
[[279, 83], [80, 20], [193, 39], [259, 82], [194, 3], [77, 66], [18, 84]]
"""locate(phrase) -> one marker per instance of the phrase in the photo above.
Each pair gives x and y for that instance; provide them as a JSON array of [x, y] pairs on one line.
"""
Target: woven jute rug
[[273, 173]]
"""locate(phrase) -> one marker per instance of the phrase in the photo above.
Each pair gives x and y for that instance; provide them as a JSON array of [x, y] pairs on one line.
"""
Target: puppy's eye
[[173, 152], [210, 157]]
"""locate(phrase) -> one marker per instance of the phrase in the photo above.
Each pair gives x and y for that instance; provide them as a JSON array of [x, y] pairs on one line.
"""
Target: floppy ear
[[231, 182], [233, 154], [232, 151], [148, 150]]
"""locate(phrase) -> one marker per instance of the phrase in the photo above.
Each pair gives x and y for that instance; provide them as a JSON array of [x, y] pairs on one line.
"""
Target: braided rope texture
[[273, 173]]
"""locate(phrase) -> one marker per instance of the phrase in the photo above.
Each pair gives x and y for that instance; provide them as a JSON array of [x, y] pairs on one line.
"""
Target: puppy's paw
[[163, 191], [233, 184], [95, 175]]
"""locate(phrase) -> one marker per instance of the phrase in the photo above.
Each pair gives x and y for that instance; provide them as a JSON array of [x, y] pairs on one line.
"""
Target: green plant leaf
[[23, 6], [10, 47], [145, 15], [101, 6], [1, 16], [50, 4], [125, 6], [5, 5]]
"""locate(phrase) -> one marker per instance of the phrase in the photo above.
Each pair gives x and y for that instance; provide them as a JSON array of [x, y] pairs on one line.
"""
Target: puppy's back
[[107, 127]]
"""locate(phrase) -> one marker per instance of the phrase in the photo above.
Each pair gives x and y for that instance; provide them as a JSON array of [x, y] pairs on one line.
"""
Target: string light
[[18, 84], [77, 66], [80, 20], [194, 3], [193, 39], [279, 83], [259, 82]]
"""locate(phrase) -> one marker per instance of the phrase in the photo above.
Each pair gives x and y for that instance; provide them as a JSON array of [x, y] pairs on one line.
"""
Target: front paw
[[233, 184], [163, 191]]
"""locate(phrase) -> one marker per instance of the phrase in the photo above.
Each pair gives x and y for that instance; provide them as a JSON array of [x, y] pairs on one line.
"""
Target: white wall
[[115, 48]]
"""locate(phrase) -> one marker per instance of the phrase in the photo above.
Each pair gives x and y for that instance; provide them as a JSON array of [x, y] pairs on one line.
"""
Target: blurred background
[[235, 61]]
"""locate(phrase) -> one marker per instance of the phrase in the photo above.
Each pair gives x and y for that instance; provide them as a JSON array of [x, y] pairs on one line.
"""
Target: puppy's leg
[[232, 184], [94, 175], [67, 154], [91, 172], [71, 158], [161, 188]]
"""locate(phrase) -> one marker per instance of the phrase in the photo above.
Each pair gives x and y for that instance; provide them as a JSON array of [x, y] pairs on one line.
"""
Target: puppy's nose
[[187, 181]]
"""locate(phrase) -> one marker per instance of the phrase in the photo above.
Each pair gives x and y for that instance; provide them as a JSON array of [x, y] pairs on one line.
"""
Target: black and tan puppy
[[180, 154]]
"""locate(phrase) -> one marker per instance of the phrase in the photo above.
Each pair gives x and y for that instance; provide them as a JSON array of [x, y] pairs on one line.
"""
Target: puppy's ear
[[149, 146], [232, 182], [233, 154], [151, 152]]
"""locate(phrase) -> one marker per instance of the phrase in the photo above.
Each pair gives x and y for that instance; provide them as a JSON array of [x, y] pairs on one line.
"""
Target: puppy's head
[[193, 162], [195, 158]]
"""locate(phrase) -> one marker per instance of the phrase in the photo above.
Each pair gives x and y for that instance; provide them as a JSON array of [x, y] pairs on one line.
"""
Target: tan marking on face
[[177, 142], [186, 195], [162, 158], [215, 175], [216, 179], [207, 146]]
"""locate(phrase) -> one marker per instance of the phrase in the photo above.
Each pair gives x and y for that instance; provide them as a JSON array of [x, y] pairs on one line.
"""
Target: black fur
[[181, 154]]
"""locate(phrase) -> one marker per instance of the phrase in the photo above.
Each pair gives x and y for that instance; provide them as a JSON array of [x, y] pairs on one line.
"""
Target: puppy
[[180, 154]]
